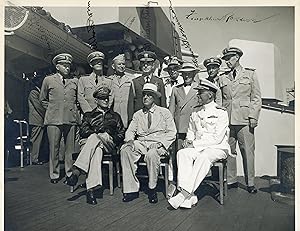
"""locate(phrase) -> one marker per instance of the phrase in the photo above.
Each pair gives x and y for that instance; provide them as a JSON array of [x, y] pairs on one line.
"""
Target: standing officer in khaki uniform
[[122, 88], [58, 95], [88, 84], [242, 99], [213, 67]]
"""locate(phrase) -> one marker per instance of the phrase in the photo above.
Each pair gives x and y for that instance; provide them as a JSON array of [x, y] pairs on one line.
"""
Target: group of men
[[193, 120]]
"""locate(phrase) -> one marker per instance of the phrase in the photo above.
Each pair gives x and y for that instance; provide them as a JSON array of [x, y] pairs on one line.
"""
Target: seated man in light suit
[[205, 143], [150, 133], [102, 130]]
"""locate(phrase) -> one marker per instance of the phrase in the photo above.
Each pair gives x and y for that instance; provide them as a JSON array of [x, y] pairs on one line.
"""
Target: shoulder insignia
[[250, 69], [48, 75], [226, 72], [219, 107], [179, 85], [197, 108]]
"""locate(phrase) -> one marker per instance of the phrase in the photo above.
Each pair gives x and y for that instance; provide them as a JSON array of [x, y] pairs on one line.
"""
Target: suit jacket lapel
[[190, 95], [123, 80], [141, 81], [240, 74], [181, 92], [92, 79], [68, 81], [155, 121], [57, 78]]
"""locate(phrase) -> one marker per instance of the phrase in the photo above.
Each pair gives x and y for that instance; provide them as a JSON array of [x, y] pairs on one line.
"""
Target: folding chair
[[23, 142], [164, 163], [109, 159]]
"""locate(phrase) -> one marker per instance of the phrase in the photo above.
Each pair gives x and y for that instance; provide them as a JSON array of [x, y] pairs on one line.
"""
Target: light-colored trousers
[[129, 158], [90, 159], [36, 138], [193, 166], [244, 135], [55, 132]]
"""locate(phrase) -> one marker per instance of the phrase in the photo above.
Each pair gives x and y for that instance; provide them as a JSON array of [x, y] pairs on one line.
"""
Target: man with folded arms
[[102, 130], [150, 133], [205, 143]]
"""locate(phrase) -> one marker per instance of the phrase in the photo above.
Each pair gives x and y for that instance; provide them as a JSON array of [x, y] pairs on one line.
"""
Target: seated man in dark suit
[[102, 130]]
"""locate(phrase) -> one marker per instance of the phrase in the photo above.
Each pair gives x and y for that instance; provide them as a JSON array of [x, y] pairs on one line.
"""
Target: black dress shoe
[[234, 185], [54, 181], [152, 196], [72, 180], [251, 189], [37, 163], [130, 196], [90, 198]]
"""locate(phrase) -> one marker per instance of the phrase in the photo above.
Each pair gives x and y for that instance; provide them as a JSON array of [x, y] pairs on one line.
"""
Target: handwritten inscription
[[226, 18], [91, 27]]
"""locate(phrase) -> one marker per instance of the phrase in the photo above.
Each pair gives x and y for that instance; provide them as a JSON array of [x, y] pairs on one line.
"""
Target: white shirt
[[187, 89]]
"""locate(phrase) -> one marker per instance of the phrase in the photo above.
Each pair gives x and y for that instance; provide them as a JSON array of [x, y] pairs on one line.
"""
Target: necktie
[[234, 74], [149, 119], [64, 81], [96, 80], [147, 79]]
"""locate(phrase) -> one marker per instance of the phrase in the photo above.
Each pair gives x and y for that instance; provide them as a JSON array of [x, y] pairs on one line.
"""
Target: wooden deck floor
[[33, 203]]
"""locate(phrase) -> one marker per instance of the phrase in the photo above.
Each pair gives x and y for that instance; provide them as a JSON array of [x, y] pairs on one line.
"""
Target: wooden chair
[[222, 169], [164, 175], [110, 159]]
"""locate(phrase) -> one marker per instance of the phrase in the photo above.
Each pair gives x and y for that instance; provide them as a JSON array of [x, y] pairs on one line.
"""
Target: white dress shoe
[[188, 203], [177, 200]]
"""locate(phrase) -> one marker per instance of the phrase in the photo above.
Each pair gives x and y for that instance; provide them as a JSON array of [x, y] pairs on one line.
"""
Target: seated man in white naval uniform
[[205, 143]]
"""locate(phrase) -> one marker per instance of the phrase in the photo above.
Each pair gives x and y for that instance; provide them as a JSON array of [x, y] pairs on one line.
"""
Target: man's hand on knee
[[187, 144], [155, 145], [129, 143]]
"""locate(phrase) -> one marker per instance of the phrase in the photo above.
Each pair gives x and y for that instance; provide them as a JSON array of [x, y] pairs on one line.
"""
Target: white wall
[[274, 128]]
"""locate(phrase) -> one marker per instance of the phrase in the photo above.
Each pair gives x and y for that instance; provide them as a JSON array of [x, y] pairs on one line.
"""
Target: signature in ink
[[226, 18], [91, 27]]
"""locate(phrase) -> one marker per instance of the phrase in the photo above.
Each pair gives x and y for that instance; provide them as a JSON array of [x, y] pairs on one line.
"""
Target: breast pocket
[[89, 90], [225, 88], [245, 86]]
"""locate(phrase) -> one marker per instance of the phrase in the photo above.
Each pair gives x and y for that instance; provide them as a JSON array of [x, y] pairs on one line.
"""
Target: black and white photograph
[[150, 115]]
